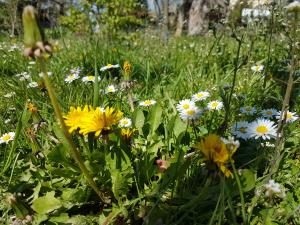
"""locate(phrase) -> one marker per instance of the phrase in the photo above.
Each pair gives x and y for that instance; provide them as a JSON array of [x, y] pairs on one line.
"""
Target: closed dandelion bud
[[32, 33]]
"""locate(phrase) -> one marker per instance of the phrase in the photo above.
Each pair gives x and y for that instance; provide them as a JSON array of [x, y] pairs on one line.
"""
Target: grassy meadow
[[199, 130]]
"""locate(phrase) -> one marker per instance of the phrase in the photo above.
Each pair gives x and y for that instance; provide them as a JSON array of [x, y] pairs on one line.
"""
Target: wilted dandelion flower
[[7, 137], [147, 102], [127, 133], [110, 89], [109, 66], [215, 105], [71, 77], [266, 129], [32, 84], [88, 79], [125, 122], [257, 68], [185, 104], [273, 188], [290, 116], [240, 130], [200, 96], [191, 113], [248, 110], [269, 113]]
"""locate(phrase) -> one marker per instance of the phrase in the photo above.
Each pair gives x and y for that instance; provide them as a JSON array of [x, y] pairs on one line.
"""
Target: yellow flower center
[[214, 104], [186, 106], [289, 116], [199, 95], [243, 129], [109, 65], [6, 137], [90, 77], [71, 76], [125, 122], [262, 129], [269, 113], [191, 112], [147, 102]]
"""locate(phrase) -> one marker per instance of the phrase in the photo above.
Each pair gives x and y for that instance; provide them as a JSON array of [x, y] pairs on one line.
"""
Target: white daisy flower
[[125, 122], [75, 70], [32, 84], [71, 77], [9, 95], [266, 129], [110, 89], [200, 96], [272, 188], [240, 130], [42, 74], [185, 104], [109, 66], [290, 116], [7, 137], [31, 62], [88, 79], [269, 113], [215, 105], [248, 110], [191, 113], [147, 102], [257, 68]]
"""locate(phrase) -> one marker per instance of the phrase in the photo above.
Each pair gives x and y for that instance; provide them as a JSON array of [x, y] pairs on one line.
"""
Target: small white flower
[[125, 122], [110, 89], [248, 110], [71, 77], [240, 130], [191, 113], [293, 6], [147, 102], [7, 137], [109, 66], [290, 116], [75, 70], [88, 79], [200, 96], [23, 76], [31, 63], [257, 68], [215, 105], [266, 129], [231, 143], [269, 113], [32, 84], [7, 121], [272, 188], [42, 74], [9, 95], [185, 104]]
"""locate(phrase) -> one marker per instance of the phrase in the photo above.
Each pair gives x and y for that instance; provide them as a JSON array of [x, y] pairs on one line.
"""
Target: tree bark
[[204, 11], [166, 21]]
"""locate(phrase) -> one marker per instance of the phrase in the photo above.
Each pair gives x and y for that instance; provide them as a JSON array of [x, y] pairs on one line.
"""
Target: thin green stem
[[236, 176], [73, 151]]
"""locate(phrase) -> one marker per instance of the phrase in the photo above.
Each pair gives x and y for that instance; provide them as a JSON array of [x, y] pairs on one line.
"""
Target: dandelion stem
[[75, 154], [245, 222]]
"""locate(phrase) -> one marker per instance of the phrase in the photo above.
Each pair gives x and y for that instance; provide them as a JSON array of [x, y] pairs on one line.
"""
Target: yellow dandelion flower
[[97, 120], [74, 117], [215, 150], [127, 68], [31, 108]]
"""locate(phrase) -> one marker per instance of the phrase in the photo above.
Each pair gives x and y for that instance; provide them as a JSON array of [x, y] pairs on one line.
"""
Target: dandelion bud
[[32, 33]]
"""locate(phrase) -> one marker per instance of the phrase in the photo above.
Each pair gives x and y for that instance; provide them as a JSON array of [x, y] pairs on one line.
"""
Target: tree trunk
[[204, 11], [166, 21], [180, 21]]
